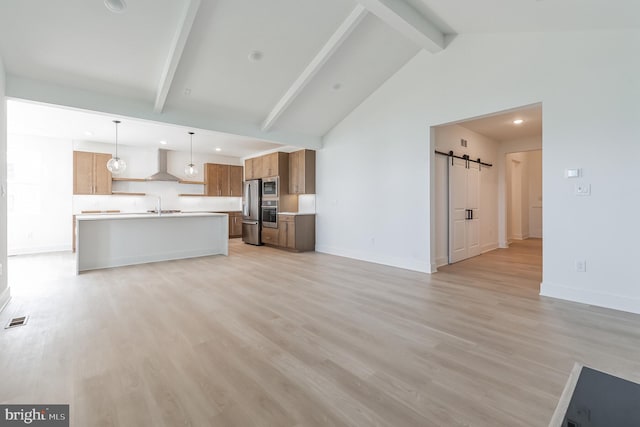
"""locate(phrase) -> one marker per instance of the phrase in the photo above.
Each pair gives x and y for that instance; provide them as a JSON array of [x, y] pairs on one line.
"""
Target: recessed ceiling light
[[218, 149], [336, 87], [88, 133], [163, 142], [255, 56], [518, 121], [115, 6]]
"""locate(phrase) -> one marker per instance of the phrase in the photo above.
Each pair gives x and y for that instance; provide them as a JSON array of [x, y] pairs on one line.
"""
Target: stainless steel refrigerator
[[251, 197]]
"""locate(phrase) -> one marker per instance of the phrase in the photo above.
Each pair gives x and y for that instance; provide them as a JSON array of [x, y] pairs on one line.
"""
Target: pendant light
[[190, 170], [115, 164]]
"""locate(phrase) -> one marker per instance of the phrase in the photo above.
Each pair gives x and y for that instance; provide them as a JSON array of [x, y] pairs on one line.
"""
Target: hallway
[[514, 271]]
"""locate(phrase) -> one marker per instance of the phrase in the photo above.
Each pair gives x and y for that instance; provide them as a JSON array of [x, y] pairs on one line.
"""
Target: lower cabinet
[[235, 224], [294, 232], [287, 231], [270, 236]]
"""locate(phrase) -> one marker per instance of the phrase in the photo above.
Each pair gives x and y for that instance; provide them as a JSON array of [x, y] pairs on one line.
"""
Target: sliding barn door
[[464, 210], [457, 210]]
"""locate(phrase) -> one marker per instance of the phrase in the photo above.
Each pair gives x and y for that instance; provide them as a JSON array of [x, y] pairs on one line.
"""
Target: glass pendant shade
[[190, 170], [115, 164]]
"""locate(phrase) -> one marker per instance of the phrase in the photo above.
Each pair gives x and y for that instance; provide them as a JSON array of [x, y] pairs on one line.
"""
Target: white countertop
[[294, 213], [145, 215]]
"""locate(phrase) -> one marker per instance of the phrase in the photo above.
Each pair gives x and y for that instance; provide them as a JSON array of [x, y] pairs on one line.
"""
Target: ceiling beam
[[408, 21], [330, 47], [175, 53]]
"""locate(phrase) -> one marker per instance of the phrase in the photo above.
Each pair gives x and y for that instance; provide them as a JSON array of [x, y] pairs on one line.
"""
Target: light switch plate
[[583, 189], [572, 173]]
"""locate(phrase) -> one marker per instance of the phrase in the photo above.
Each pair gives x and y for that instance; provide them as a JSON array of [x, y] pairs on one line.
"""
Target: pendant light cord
[[191, 149], [116, 122]]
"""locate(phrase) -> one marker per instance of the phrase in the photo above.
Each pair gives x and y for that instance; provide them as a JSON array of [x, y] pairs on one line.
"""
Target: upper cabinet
[[235, 181], [253, 168], [274, 164], [302, 172], [90, 173], [270, 165], [222, 180]]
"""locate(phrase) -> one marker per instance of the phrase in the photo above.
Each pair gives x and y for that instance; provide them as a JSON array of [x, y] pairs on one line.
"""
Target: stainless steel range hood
[[162, 174]]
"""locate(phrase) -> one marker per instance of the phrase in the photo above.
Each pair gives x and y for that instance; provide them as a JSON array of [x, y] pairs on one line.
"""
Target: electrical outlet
[[583, 189], [581, 266]]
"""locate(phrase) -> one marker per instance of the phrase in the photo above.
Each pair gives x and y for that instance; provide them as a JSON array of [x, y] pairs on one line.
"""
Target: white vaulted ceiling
[[79, 43], [186, 62]]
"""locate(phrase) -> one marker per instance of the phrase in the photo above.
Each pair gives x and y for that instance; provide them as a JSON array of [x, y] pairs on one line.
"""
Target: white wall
[[40, 184], [447, 138], [374, 172], [4, 284]]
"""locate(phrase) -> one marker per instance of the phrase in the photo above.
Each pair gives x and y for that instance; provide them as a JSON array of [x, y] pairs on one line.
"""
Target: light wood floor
[[269, 338]]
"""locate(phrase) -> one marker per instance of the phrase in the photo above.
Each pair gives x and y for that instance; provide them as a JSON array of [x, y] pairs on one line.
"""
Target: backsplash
[[168, 192]]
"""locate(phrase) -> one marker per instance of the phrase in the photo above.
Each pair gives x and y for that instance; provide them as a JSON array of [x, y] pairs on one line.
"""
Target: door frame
[[502, 224]]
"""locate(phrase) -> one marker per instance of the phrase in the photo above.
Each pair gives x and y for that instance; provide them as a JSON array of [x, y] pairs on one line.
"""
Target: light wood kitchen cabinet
[[253, 168], [297, 232], [90, 173], [270, 165], [235, 181], [275, 164], [235, 224], [302, 172], [222, 180], [270, 236]]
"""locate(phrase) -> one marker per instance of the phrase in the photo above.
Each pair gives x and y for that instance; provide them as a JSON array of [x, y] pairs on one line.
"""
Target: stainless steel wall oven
[[270, 213]]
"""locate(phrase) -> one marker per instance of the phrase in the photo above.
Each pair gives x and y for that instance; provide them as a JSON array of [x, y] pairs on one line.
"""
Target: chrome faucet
[[159, 206]]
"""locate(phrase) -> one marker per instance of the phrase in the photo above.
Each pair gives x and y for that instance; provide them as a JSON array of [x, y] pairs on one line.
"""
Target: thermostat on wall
[[573, 173]]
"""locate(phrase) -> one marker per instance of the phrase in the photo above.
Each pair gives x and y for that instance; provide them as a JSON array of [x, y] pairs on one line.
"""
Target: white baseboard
[[407, 264], [5, 296], [488, 247], [440, 261], [39, 250], [519, 237], [585, 296]]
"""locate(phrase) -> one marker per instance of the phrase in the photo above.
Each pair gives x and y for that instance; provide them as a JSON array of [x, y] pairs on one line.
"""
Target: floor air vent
[[17, 321]]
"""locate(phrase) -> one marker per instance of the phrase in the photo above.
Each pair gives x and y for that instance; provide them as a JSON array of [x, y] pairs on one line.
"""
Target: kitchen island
[[115, 240]]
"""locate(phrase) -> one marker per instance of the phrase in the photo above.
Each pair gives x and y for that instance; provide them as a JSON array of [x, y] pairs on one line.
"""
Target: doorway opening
[[523, 183], [492, 196]]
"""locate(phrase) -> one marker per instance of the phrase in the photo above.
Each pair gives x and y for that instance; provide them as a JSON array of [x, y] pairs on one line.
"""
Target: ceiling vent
[[17, 321]]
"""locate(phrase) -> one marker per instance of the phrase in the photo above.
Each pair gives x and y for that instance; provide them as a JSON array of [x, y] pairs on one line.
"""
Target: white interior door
[[464, 210], [473, 204], [457, 210]]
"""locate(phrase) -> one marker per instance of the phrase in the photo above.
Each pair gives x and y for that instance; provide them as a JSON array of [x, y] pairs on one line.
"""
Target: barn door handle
[[469, 213]]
